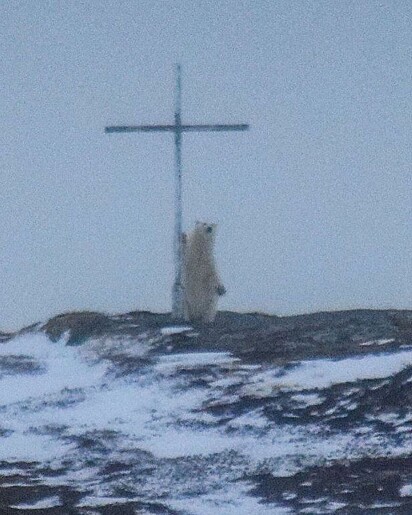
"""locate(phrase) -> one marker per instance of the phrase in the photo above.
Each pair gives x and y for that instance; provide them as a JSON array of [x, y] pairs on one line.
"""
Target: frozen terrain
[[253, 415]]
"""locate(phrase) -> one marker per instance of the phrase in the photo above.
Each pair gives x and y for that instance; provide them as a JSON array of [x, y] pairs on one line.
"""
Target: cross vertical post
[[178, 128], [177, 301]]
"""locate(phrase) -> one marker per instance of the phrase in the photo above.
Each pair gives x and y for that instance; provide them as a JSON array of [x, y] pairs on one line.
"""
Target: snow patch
[[61, 369], [308, 399], [406, 491], [89, 502], [193, 360], [168, 331], [31, 447], [323, 373], [382, 341], [232, 500], [253, 419], [43, 504]]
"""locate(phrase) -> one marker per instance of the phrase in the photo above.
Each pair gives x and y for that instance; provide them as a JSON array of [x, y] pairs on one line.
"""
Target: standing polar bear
[[201, 282]]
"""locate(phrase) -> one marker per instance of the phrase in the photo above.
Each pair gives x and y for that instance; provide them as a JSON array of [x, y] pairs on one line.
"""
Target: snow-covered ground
[[189, 429]]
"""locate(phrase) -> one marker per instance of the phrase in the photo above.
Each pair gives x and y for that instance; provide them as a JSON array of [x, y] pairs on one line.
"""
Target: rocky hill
[[133, 413]]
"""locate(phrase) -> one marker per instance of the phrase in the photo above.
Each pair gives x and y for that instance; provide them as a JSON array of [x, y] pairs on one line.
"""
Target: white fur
[[201, 281]]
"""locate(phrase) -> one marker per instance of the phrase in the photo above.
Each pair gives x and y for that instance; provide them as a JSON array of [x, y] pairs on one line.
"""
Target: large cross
[[178, 128]]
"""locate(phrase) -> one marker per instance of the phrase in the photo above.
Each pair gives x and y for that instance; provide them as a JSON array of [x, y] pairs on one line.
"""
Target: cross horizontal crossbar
[[177, 128]]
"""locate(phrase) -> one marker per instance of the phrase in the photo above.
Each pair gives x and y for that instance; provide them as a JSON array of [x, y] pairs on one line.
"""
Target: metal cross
[[178, 128]]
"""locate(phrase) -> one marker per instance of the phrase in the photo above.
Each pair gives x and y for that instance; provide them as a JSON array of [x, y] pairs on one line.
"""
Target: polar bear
[[201, 282]]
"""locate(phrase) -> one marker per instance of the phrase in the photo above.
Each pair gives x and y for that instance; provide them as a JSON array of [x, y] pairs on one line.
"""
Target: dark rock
[[80, 325]]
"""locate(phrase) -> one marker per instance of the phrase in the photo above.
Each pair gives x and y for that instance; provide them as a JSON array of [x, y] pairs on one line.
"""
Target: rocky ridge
[[300, 414]]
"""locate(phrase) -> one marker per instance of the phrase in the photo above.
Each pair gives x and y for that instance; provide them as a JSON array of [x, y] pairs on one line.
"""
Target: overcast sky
[[314, 203]]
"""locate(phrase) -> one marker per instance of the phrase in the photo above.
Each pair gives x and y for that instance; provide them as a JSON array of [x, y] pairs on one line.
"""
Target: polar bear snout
[[221, 290]]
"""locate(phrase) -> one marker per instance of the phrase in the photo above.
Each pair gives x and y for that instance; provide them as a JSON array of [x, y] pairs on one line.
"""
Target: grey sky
[[313, 203]]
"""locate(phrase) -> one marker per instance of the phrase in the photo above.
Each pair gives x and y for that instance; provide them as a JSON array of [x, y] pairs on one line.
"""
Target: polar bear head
[[206, 230]]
